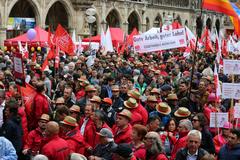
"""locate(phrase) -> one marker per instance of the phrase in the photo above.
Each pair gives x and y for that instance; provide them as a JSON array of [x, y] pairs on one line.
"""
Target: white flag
[[109, 46]]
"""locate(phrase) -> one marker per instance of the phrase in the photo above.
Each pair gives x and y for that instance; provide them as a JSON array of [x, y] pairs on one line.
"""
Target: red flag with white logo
[[64, 41]]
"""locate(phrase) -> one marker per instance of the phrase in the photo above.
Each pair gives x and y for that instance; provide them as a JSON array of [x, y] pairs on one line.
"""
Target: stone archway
[[209, 23], [57, 14], [113, 19], [19, 20], [157, 21], [133, 21]]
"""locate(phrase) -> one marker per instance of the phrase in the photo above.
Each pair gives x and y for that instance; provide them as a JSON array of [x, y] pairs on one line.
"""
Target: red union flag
[[64, 41], [28, 94]]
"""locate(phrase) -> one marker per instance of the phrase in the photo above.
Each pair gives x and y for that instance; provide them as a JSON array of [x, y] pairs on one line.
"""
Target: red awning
[[41, 39]]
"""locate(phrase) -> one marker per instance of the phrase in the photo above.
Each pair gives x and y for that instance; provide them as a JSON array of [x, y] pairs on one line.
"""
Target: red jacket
[[91, 137], [180, 143], [81, 121], [219, 141], [76, 141], [160, 156], [22, 114], [143, 112], [34, 141], [56, 149], [139, 152], [40, 105], [122, 136]]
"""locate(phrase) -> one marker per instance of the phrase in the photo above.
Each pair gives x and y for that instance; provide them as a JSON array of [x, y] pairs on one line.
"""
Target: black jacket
[[207, 142], [104, 151], [182, 154]]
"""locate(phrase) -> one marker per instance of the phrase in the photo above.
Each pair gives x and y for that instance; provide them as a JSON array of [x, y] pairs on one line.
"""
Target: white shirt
[[1, 113], [192, 156], [82, 129]]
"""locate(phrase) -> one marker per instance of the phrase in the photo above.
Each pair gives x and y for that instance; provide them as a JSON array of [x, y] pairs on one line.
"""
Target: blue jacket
[[229, 154], [7, 151]]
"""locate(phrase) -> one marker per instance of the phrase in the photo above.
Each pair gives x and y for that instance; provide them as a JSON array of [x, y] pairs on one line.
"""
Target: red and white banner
[[160, 41], [18, 69]]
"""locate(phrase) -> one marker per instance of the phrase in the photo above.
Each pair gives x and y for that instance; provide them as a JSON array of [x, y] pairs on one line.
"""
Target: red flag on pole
[[28, 93], [64, 41]]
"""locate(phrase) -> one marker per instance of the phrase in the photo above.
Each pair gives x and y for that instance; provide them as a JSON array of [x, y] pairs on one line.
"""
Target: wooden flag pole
[[195, 53]]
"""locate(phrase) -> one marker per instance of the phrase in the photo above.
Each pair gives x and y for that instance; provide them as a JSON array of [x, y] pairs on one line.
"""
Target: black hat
[[124, 150]]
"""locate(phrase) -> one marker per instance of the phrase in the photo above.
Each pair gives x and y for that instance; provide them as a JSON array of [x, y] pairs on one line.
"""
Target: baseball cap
[[104, 132]]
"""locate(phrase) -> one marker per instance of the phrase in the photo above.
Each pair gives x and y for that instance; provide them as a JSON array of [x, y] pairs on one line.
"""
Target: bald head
[[52, 128]]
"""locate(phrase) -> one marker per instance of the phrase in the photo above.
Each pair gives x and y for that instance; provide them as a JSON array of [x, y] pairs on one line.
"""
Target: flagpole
[[195, 52]]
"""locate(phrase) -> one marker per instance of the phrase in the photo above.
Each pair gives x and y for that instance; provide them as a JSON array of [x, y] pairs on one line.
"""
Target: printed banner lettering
[[217, 119], [160, 41], [231, 90], [231, 67]]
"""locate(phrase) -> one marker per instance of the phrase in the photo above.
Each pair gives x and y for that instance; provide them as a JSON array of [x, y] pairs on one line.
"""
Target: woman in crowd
[[154, 147]]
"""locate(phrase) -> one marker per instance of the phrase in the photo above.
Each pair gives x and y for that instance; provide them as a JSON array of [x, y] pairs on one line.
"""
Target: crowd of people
[[122, 107]]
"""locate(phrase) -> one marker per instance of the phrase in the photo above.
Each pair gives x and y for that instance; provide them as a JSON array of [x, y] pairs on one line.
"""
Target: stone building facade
[[126, 14]]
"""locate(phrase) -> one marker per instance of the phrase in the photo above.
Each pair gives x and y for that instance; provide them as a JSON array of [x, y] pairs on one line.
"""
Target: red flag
[[28, 93], [130, 37], [206, 38], [57, 58], [224, 47], [49, 56], [176, 25], [64, 41]]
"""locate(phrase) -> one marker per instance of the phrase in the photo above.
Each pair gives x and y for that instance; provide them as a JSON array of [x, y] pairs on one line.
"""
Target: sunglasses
[[195, 120]]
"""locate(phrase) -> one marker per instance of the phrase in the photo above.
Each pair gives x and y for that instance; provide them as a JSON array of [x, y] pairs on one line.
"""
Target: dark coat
[[117, 104], [207, 141], [12, 130], [182, 154], [104, 151], [229, 154]]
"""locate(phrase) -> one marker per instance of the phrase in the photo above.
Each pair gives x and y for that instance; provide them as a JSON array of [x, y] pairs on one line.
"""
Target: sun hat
[[155, 90], [131, 103], [70, 121], [134, 94], [75, 108], [90, 88], [96, 99], [126, 113], [152, 99], [182, 112], [163, 108], [44, 117], [172, 96]]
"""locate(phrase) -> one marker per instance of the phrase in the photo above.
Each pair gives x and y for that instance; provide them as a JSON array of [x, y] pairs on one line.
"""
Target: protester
[[104, 149], [56, 148], [192, 150], [154, 147], [231, 150], [123, 152]]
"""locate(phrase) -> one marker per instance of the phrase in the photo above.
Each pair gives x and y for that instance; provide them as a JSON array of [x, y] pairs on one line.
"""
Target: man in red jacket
[[35, 137], [56, 148], [72, 135], [40, 105], [86, 120], [184, 127], [123, 130], [91, 137]]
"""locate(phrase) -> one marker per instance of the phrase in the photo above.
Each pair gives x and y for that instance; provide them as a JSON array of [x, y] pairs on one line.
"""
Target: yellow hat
[[152, 99], [182, 112], [70, 121], [75, 108], [134, 94], [131, 103], [44, 117], [90, 88], [163, 108], [126, 113], [96, 99]]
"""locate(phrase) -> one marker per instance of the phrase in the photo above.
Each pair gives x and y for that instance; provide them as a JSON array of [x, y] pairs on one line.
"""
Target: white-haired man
[[192, 151]]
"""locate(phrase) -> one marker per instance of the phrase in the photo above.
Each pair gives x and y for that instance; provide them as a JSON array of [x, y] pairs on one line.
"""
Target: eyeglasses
[[195, 120]]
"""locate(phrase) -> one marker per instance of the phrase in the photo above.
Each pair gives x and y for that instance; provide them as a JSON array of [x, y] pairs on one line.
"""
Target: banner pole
[[195, 52]]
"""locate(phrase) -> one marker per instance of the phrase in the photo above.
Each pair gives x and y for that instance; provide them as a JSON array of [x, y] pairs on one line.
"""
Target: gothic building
[[126, 14]]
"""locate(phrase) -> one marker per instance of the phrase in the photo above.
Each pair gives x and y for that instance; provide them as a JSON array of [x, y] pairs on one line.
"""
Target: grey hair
[[187, 124], [40, 157], [157, 146], [77, 156], [195, 133]]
